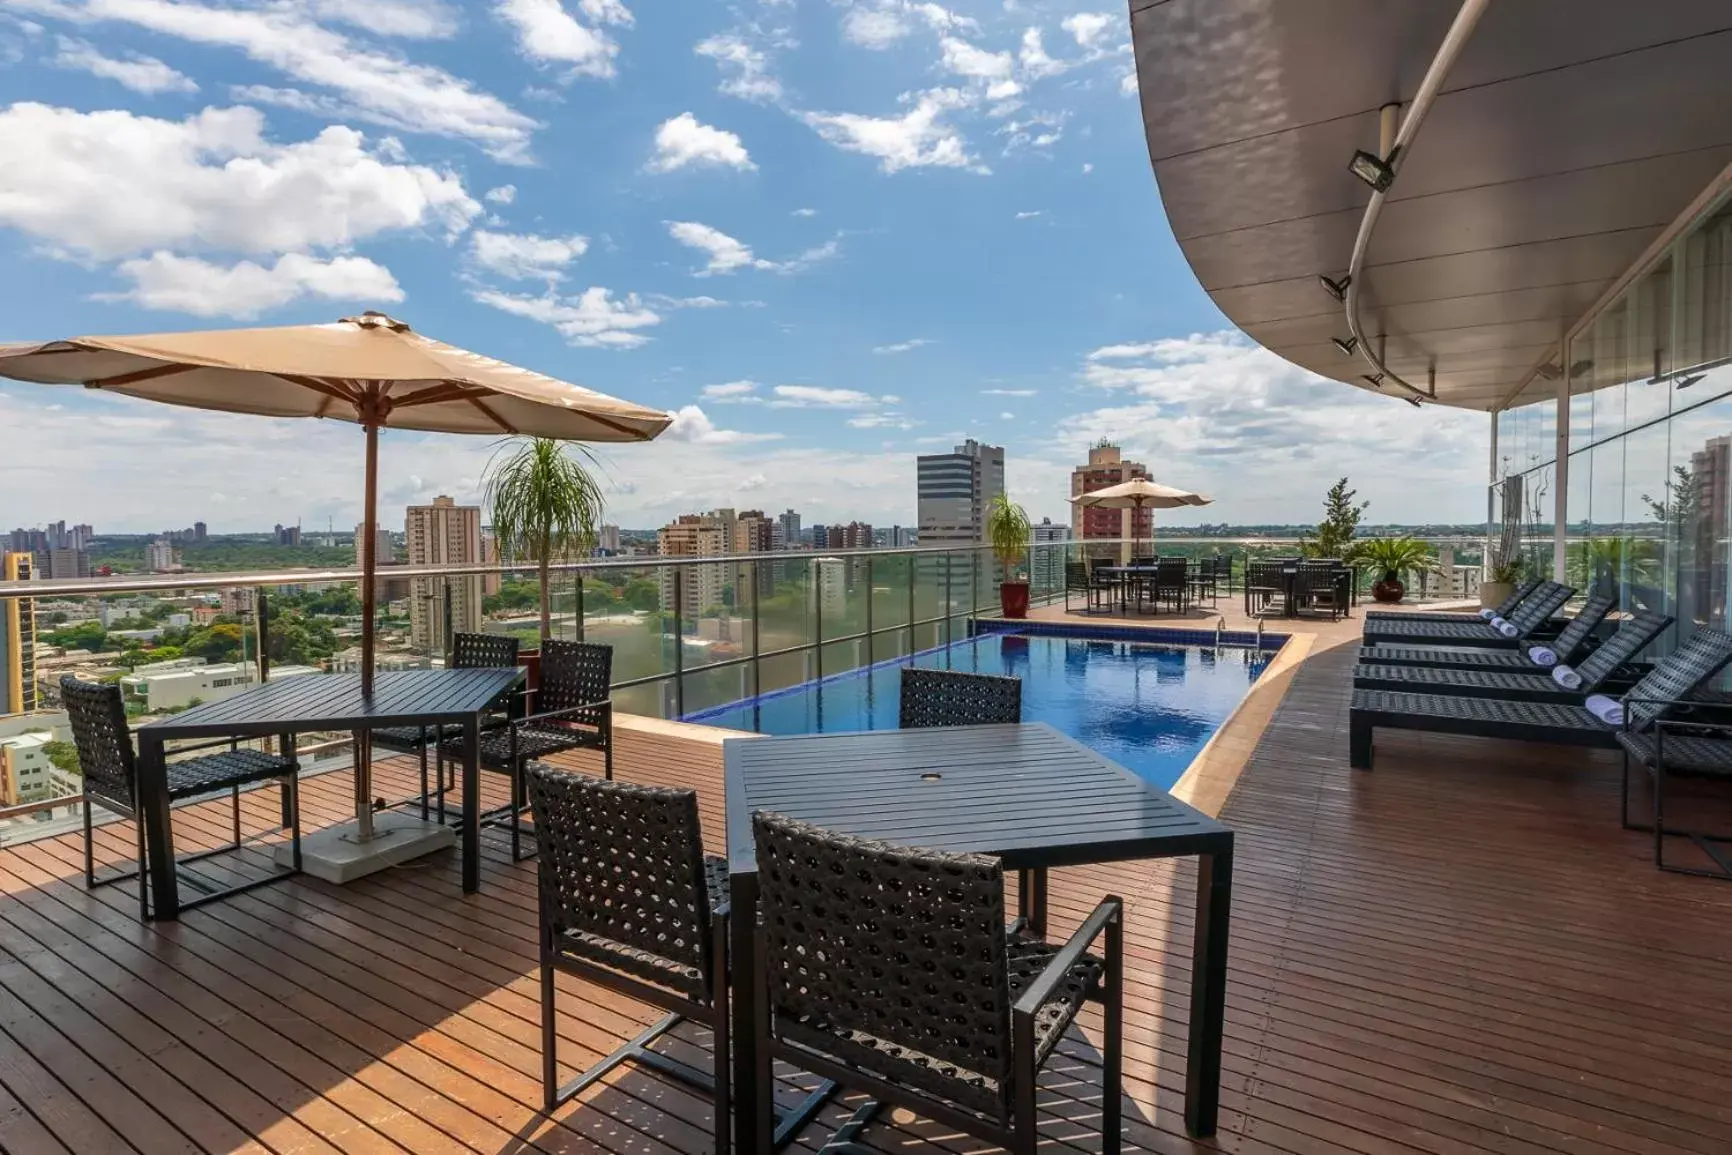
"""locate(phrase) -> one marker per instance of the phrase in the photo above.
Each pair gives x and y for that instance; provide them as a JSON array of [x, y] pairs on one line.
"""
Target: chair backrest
[[97, 715], [483, 651], [1581, 627], [1507, 607], [954, 698], [1631, 639], [1312, 580], [574, 674], [901, 944], [1540, 606], [1076, 575], [623, 864], [1263, 574], [1145, 560], [1676, 676]]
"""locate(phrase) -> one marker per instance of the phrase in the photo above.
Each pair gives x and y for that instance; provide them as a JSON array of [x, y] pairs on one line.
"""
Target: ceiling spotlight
[[1376, 379], [1373, 170], [1412, 400], [1550, 371], [1687, 380], [1336, 289], [1346, 346]]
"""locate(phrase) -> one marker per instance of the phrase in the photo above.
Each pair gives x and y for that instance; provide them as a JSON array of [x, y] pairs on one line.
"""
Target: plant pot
[[1013, 599], [1389, 590], [1495, 593]]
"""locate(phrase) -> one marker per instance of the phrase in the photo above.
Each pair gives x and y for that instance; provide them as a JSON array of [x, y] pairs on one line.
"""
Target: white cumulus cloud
[[730, 391], [361, 81], [1088, 29], [547, 33], [594, 318], [525, 256], [503, 195], [902, 346], [819, 397], [726, 254], [112, 184], [918, 138], [143, 74], [745, 67], [684, 141], [694, 425], [244, 290], [965, 59]]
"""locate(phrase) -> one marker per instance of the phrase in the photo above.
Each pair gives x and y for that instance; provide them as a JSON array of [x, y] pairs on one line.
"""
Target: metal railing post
[[679, 644], [579, 604], [757, 673], [449, 641], [814, 573], [262, 627], [949, 604], [869, 647]]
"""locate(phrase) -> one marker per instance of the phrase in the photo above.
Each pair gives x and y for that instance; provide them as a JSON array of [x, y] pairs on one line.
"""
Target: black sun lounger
[[1536, 686], [1674, 678], [1571, 645], [1533, 613]]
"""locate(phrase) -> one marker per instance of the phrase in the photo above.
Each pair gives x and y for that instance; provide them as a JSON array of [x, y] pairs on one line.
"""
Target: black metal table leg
[[153, 812], [471, 805], [753, 1093], [1208, 991]]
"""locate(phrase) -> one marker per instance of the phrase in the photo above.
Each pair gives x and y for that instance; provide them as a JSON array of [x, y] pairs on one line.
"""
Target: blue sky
[[827, 235]]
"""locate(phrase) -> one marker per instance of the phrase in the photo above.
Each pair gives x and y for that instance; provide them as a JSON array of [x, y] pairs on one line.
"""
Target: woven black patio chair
[[97, 716], [1503, 609], [468, 652], [955, 698], [889, 970], [1170, 585], [1265, 581], [1600, 667], [1077, 580], [1678, 748], [1573, 643], [1659, 693], [572, 712], [1110, 583], [629, 901], [1532, 619], [1321, 588]]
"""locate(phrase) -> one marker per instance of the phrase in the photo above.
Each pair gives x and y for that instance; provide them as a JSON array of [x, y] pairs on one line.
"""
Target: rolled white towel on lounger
[[1488, 613], [1608, 710], [1507, 629], [1566, 677], [1543, 656]]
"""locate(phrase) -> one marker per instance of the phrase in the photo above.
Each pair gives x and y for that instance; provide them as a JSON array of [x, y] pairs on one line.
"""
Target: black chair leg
[[1112, 1058], [549, 1039], [423, 775], [723, 1059], [143, 871], [235, 799], [89, 855], [292, 802]]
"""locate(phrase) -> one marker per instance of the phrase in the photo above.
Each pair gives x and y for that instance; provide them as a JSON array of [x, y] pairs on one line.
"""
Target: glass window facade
[[1649, 478]]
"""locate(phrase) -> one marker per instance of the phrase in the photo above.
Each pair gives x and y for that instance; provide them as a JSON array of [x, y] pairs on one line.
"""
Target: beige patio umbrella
[[1137, 494], [372, 370]]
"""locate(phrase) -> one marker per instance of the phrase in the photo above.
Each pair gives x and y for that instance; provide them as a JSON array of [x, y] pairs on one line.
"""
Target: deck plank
[[1461, 952]]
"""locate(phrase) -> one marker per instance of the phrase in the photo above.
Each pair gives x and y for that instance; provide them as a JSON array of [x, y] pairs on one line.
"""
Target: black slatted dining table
[[1027, 794], [327, 702]]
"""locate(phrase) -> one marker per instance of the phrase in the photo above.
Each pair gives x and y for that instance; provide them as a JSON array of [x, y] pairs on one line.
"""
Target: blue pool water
[[1150, 708]]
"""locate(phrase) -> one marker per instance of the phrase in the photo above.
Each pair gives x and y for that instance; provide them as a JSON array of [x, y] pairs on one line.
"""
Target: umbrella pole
[[369, 563]]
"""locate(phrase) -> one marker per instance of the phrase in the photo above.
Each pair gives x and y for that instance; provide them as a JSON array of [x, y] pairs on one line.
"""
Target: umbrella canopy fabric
[[1140, 493], [370, 369]]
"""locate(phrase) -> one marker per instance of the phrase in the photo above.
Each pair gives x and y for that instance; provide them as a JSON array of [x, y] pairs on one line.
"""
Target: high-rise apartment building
[[288, 535], [607, 541], [820, 536], [159, 556], [68, 563], [698, 587], [17, 639], [789, 522], [443, 533], [754, 533], [1047, 558], [1107, 466], [384, 550], [199, 531], [954, 490]]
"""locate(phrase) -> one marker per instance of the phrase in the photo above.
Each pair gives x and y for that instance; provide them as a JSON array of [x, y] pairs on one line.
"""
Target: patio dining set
[[1290, 586], [1520, 672], [857, 927]]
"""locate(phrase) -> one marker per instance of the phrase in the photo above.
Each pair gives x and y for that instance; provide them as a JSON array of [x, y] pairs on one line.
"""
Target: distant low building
[[172, 686], [26, 772], [159, 556]]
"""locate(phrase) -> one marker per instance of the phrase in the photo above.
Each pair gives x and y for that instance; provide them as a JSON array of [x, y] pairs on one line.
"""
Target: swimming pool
[[1149, 707]]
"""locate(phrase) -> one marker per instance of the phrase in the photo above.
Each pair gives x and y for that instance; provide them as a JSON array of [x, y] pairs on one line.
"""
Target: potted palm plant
[[1008, 532], [1391, 557], [544, 505]]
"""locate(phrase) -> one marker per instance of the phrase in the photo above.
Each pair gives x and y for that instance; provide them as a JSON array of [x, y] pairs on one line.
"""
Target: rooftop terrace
[[1461, 952]]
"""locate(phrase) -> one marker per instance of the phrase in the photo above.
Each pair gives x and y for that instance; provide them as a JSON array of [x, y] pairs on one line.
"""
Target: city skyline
[[826, 237]]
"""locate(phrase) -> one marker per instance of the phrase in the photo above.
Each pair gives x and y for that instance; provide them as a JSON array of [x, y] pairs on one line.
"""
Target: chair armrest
[[1110, 910], [605, 705], [208, 744], [1665, 725]]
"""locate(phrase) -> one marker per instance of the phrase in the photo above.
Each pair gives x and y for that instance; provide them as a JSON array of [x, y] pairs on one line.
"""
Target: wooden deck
[[1459, 953]]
